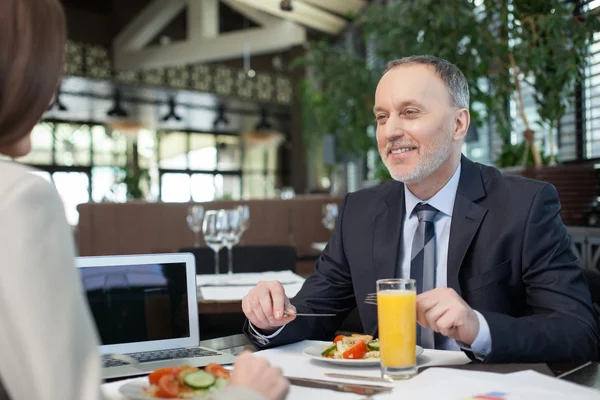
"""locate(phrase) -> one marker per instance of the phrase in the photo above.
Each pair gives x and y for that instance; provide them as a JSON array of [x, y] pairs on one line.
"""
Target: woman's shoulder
[[19, 177]]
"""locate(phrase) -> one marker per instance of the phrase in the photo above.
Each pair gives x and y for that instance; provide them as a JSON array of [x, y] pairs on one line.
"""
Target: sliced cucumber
[[199, 380], [220, 383], [328, 350], [373, 346]]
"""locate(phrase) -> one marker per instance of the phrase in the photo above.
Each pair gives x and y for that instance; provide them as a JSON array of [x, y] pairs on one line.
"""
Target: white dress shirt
[[444, 202]]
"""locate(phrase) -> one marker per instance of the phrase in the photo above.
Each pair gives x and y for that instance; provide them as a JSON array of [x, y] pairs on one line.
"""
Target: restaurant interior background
[[267, 103]]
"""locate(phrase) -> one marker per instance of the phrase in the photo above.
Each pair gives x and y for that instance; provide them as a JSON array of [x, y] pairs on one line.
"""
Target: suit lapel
[[466, 219], [387, 234], [387, 237]]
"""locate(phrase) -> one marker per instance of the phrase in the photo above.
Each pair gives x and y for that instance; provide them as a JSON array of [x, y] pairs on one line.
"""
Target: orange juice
[[397, 313]]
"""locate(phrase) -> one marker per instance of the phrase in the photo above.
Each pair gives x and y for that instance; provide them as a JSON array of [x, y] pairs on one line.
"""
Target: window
[[591, 99], [195, 166], [259, 172], [85, 161]]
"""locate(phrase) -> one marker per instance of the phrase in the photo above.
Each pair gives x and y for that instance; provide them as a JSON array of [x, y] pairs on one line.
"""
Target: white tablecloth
[[236, 286], [294, 363]]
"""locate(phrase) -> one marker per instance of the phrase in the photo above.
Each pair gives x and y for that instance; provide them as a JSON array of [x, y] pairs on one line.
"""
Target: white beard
[[429, 161]]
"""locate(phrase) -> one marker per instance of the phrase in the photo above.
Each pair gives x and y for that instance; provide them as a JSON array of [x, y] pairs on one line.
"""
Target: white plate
[[314, 352], [134, 390]]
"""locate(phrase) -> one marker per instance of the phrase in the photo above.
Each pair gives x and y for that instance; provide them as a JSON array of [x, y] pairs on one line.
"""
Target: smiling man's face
[[415, 122]]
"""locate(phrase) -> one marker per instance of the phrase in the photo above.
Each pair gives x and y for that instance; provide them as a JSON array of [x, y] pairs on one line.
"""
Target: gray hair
[[453, 78]]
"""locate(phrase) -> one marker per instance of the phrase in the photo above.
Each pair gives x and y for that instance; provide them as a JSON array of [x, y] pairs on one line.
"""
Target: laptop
[[145, 307]]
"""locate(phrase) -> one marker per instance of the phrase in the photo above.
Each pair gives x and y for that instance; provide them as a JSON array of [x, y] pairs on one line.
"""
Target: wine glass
[[330, 213], [244, 211], [212, 228], [194, 220], [231, 234]]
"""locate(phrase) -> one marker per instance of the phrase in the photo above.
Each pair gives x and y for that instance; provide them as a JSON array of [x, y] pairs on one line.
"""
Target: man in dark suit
[[496, 275]]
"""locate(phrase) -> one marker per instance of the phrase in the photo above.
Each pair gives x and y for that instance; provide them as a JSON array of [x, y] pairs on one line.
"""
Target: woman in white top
[[48, 344]]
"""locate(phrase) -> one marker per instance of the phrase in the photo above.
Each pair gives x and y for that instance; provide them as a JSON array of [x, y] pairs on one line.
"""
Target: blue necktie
[[423, 261]]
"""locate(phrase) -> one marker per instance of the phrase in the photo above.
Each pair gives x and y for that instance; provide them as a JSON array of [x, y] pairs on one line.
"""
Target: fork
[[371, 299]]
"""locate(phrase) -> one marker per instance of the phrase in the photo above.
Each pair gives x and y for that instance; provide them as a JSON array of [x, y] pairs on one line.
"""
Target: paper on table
[[452, 384], [549, 383], [224, 293], [249, 278]]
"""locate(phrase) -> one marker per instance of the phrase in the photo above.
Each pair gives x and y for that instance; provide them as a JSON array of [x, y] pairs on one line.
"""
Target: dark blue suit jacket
[[509, 257]]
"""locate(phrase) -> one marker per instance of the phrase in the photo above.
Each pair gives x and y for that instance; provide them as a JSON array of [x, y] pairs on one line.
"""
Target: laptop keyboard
[[160, 356]]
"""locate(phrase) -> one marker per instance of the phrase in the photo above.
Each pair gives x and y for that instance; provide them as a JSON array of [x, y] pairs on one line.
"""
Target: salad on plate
[[354, 347], [186, 382]]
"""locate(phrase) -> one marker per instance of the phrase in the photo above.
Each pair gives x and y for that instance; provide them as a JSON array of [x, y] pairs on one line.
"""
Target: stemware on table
[[330, 213], [231, 233], [212, 228], [195, 217]]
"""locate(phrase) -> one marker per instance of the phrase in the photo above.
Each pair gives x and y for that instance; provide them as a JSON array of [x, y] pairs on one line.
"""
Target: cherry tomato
[[217, 370], [155, 376], [338, 338], [168, 387], [356, 352]]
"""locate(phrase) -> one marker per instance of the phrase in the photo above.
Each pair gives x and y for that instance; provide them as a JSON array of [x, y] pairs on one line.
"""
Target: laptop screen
[[138, 303]]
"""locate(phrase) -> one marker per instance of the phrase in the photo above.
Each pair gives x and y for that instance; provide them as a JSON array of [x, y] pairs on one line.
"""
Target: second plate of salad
[[358, 350]]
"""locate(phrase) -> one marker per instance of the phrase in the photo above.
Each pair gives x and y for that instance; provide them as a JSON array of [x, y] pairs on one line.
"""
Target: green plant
[[445, 29], [512, 155], [551, 51], [337, 99], [500, 45], [134, 179], [382, 173]]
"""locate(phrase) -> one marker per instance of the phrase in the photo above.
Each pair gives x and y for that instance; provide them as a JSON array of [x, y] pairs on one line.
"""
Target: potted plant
[[499, 45]]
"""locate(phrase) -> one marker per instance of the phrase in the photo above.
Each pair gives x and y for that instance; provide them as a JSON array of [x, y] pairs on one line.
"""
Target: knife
[[339, 386]]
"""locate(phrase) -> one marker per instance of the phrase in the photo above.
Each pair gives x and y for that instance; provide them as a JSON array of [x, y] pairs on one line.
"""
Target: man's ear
[[462, 119]]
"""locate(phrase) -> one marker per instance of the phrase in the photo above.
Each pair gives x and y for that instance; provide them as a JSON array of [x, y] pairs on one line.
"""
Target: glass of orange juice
[[397, 314]]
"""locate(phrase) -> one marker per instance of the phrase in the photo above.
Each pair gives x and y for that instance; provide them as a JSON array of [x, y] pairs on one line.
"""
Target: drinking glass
[[244, 211], [231, 234], [330, 213], [213, 236], [397, 315], [194, 219]]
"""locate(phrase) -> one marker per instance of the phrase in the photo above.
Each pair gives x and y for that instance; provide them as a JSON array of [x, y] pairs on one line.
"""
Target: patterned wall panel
[[96, 62], [153, 77], [264, 87], [178, 77], [244, 86], [201, 78], [74, 59], [224, 80]]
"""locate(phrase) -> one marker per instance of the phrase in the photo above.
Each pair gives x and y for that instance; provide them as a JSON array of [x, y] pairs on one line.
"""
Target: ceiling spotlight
[[263, 123], [286, 5], [117, 110], [263, 134], [220, 118], [171, 114]]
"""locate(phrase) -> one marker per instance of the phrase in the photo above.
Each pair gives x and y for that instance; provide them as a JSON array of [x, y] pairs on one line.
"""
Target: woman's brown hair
[[32, 48]]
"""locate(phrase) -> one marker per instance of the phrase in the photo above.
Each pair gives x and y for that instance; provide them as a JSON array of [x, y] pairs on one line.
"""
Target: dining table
[[440, 372]]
